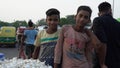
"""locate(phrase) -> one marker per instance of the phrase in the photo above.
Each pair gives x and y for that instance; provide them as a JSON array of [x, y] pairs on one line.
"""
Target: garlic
[[23, 63]]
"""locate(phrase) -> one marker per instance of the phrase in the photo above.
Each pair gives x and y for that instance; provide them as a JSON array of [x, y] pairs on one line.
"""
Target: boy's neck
[[78, 29], [51, 31], [30, 28]]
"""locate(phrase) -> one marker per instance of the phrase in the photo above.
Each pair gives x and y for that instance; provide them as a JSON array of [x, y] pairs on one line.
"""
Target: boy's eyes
[[86, 17], [53, 19]]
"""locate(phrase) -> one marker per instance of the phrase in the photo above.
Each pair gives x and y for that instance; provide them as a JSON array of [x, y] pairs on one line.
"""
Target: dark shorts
[[29, 49]]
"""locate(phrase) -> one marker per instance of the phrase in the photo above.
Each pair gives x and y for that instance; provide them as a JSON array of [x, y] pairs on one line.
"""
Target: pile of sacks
[[22, 63]]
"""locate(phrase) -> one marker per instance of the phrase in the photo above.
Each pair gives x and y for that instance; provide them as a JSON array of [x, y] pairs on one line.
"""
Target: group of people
[[73, 46]]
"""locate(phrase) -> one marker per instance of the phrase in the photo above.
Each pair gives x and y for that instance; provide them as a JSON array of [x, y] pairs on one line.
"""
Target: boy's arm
[[101, 52], [99, 47], [35, 54], [58, 53], [101, 35], [88, 53]]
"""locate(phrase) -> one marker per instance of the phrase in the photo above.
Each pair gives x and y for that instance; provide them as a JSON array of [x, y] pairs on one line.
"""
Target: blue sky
[[11, 10]]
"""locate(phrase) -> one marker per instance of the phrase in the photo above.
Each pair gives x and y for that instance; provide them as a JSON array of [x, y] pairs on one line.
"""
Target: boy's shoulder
[[65, 27], [41, 32]]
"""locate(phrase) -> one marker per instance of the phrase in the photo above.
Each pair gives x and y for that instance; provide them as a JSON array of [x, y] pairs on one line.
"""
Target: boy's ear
[[100, 13], [46, 20], [74, 16]]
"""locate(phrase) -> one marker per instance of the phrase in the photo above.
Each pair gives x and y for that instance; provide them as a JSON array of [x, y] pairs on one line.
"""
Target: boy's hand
[[56, 65], [104, 66]]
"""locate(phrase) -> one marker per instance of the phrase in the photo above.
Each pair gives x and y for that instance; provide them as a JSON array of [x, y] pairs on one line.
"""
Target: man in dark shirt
[[107, 29]]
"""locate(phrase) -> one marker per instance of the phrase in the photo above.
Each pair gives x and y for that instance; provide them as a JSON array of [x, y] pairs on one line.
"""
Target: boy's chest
[[78, 40]]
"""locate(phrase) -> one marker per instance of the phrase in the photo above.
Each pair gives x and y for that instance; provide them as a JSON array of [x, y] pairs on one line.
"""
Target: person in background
[[75, 43], [46, 39], [28, 38], [107, 29], [19, 33]]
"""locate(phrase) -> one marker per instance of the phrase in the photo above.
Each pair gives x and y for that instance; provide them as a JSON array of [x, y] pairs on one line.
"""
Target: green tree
[[118, 19], [41, 22], [19, 23], [70, 19], [63, 21], [2, 23]]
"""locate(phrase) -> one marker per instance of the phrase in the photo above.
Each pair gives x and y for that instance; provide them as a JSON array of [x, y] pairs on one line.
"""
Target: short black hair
[[30, 23], [52, 11], [104, 6], [86, 8]]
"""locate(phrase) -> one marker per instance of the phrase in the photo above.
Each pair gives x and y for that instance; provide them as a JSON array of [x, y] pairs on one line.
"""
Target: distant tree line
[[15, 24], [69, 19]]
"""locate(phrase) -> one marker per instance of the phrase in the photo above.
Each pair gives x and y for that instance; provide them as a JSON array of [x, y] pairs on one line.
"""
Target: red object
[[21, 29]]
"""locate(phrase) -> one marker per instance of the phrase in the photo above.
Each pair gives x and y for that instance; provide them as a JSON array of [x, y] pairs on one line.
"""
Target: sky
[[12, 10]]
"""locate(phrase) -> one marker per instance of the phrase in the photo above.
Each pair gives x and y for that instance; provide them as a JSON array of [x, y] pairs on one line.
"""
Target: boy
[[107, 29], [73, 46], [47, 39], [29, 37]]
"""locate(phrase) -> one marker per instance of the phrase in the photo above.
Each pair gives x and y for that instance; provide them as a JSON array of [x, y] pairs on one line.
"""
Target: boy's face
[[82, 18], [52, 21]]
